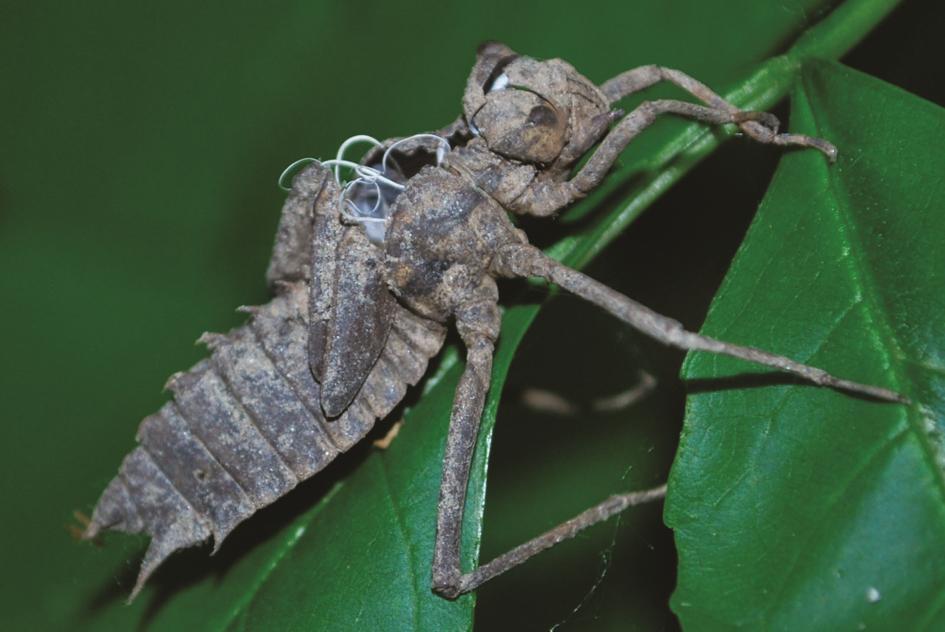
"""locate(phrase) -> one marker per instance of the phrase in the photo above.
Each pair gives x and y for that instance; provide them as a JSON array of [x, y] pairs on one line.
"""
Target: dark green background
[[139, 151]]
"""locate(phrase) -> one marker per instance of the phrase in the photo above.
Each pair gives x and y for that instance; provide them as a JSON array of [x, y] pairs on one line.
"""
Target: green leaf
[[796, 507]]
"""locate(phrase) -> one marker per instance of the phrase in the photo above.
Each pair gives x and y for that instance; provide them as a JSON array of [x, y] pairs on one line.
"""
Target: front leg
[[763, 128], [546, 196], [643, 77], [636, 79]]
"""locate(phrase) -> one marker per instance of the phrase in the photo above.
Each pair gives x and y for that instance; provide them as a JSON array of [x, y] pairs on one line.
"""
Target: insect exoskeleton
[[366, 272]]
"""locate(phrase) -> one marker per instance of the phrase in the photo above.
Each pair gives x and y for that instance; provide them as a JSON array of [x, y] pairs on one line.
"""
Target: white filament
[[375, 219], [442, 147]]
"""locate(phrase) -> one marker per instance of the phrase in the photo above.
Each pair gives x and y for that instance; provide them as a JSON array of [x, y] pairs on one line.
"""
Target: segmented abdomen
[[245, 426]]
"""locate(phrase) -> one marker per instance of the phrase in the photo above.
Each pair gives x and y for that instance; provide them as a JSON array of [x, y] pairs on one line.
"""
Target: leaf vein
[[882, 331], [402, 531], [820, 525]]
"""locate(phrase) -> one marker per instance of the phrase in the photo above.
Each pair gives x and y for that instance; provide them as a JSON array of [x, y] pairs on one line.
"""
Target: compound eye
[[543, 116]]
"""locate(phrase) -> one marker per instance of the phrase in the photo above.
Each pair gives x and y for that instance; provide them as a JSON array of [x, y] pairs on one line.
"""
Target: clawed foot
[[763, 127]]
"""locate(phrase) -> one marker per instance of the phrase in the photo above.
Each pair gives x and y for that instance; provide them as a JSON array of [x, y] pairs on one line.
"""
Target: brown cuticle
[[355, 320]]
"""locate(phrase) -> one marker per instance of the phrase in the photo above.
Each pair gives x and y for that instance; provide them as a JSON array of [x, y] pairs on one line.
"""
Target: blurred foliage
[[137, 207]]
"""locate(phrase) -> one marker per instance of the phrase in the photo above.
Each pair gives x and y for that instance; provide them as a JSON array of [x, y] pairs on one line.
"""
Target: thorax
[[440, 242]]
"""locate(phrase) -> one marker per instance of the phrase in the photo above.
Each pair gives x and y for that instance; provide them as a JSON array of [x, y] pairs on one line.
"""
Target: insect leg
[[478, 326], [564, 531], [637, 79], [643, 77], [762, 125], [526, 261], [448, 579], [546, 197]]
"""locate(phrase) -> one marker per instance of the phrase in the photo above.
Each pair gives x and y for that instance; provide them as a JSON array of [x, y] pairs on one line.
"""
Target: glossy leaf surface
[[796, 507]]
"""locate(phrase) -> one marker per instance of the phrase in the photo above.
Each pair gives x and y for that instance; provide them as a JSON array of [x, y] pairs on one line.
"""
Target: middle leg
[[527, 261]]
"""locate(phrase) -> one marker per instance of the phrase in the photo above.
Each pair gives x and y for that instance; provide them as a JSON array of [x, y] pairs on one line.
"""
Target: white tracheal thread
[[369, 197]]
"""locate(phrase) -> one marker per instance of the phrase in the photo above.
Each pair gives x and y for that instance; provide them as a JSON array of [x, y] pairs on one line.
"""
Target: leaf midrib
[[895, 355]]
